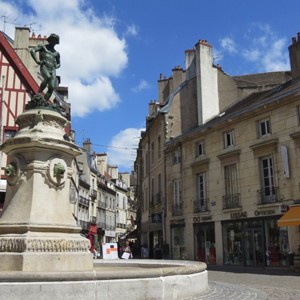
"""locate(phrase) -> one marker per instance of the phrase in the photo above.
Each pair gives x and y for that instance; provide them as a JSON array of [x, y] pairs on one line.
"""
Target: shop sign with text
[[238, 215]]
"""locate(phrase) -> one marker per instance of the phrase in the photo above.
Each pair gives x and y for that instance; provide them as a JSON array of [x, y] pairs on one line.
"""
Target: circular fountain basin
[[135, 279]]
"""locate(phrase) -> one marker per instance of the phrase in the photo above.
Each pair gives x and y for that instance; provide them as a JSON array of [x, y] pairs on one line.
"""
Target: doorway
[[253, 247]]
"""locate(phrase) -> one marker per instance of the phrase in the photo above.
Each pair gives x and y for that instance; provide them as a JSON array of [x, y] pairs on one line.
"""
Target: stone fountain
[[37, 230], [42, 254]]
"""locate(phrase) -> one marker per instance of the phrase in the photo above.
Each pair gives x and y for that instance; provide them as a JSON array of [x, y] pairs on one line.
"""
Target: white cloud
[[123, 147], [267, 51], [91, 51], [98, 95], [131, 31], [143, 85], [228, 44], [260, 46]]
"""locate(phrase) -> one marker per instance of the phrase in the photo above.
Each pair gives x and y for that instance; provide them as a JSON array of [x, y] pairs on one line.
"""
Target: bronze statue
[[49, 60]]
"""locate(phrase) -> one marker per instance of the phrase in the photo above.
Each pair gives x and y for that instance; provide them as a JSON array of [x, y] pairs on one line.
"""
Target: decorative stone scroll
[[12, 244]]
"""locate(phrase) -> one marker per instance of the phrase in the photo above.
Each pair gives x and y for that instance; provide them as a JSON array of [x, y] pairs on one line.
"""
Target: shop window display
[[255, 243], [178, 247], [277, 244], [205, 243], [232, 234]]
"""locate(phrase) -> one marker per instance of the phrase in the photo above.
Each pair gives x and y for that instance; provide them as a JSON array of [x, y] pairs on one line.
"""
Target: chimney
[[207, 82], [190, 63], [294, 51], [87, 145]]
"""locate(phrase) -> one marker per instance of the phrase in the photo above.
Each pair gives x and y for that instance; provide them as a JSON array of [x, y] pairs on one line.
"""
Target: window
[[267, 179], [159, 146], [264, 128], [229, 139], [230, 174], [9, 134], [146, 161], [124, 202], [201, 192], [152, 190], [200, 149], [159, 189], [231, 198], [159, 183], [177, 193], [152, 153], [176, 157]]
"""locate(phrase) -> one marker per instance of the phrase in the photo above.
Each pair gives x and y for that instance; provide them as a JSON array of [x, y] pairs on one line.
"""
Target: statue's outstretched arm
[[33, 53]]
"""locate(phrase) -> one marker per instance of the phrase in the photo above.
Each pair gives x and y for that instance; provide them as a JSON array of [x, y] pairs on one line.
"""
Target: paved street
[[239, 283]]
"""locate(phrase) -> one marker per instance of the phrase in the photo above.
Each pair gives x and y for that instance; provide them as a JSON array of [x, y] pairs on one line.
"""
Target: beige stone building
[[226, 166]]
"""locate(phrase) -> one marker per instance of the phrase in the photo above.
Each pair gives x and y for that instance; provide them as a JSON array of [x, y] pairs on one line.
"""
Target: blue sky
[[113, 51]]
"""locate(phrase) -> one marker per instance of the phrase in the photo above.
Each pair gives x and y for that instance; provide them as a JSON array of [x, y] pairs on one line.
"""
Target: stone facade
[[229, 167]]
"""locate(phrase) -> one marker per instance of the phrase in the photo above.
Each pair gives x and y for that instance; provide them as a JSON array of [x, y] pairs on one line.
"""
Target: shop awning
[[290, 218], [132, 235]]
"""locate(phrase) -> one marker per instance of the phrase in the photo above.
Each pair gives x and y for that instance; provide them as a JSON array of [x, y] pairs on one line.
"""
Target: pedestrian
[[145, 251], [127, 251], [166, 250]]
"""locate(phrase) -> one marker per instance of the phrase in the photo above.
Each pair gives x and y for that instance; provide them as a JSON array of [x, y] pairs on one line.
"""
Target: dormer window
[[264, 128], [229, 139]]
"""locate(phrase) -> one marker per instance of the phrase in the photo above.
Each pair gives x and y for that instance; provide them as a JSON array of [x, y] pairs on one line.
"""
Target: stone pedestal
[[37, 229]]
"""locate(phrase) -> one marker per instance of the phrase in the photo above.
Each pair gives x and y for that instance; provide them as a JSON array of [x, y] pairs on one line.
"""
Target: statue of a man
[[49, 60]]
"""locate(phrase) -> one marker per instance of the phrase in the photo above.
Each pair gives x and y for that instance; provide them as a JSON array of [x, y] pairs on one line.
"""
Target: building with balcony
[[230, 162]]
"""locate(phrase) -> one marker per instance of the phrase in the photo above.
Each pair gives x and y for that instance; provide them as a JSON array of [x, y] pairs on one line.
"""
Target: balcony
[[83, 201], [101, 225], [101, 204], [84, 224], [93, 194], [231, 201], [110, 227], [93, 220], [121, 225], [201, 206], [268, 195], [177, 209], [156, 200]]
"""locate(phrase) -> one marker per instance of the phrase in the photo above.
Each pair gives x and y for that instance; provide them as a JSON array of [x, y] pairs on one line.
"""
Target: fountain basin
[[121, 279]]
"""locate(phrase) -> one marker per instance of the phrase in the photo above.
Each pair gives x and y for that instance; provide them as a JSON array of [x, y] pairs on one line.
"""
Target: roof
[[249, 104], [17, 64]]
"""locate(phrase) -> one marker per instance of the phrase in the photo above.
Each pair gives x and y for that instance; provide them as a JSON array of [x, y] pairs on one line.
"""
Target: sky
[[113, 52]]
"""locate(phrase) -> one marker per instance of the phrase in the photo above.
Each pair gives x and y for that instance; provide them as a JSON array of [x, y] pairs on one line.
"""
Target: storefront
[[110, 236], [204, 241], [178, 250], [156, 235], [255, 242]]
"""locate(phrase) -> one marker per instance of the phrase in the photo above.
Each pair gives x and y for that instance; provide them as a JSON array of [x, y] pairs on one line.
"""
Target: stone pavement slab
[[226, 291], [239, 283]]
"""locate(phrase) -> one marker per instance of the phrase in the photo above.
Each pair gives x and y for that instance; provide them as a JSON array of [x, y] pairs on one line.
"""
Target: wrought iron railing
[[231, 201], [177, 209], [268, 195], [201, 205]]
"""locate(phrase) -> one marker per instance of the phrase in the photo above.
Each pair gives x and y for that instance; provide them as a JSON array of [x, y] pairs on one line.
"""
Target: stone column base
[[46, 262], [41, 251]]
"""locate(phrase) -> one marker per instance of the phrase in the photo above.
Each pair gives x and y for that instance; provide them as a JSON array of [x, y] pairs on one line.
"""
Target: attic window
[[264, 128]]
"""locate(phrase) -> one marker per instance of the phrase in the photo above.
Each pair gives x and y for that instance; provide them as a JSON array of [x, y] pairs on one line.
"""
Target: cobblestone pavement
[[227, 291], [243, 283]]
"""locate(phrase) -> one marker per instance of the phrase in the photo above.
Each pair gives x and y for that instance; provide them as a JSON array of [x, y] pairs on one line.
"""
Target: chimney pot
[[293, 40]]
